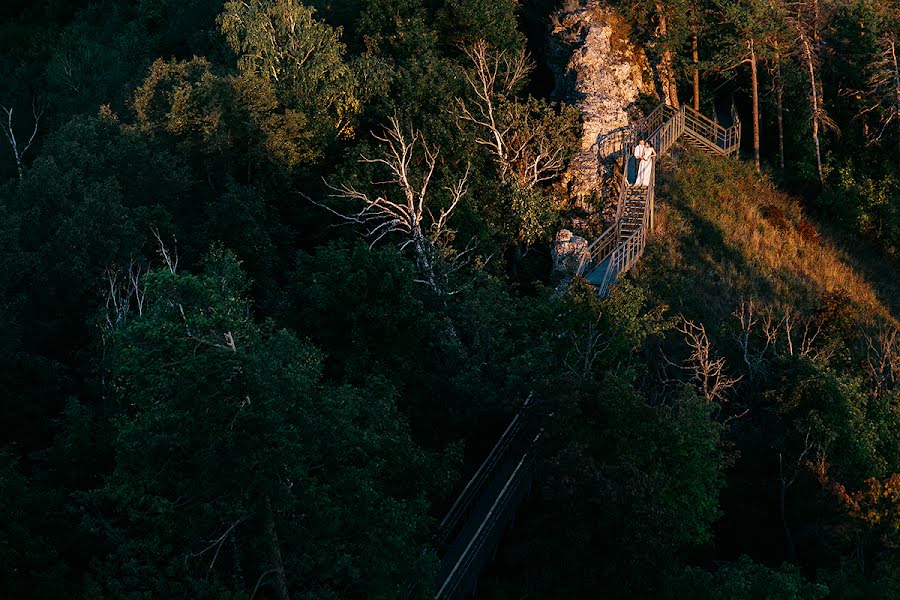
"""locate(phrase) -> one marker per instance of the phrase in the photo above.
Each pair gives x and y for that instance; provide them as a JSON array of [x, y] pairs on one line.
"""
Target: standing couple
[[643, 156]]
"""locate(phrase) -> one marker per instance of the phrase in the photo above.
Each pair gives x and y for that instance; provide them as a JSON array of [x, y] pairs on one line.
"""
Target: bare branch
[[37, 110], [708, 371], [169, 259], [217, 544], [882, 358], [403, 207], [505, 126], [125, 292]]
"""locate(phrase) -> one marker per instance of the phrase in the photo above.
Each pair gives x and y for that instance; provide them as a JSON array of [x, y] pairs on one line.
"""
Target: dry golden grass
[[724, 233]]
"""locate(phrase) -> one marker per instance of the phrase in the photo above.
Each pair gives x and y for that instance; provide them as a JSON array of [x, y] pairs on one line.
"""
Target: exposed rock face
[[599, 70], [567, 251]]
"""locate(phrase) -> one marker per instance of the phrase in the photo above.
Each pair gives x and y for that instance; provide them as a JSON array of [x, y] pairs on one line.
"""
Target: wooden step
[[701, 143]]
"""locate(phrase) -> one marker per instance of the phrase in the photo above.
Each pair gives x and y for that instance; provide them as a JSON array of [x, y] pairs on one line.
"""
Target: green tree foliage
[[234, 459], [280, 43], [628, 480], [530, 141], [289, 417], [468, 21], [30, 561], [236, 123], [745, 580]]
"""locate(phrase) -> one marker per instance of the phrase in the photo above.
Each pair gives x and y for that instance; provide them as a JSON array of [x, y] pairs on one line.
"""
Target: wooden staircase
[[622, 244], [633, 211]]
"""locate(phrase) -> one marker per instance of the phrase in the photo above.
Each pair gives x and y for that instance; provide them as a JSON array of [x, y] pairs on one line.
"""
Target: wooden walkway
[[619, 247], [470, 533]]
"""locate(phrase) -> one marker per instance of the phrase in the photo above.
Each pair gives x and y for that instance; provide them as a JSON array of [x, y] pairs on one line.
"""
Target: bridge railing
[[464, 574], [461, 508]]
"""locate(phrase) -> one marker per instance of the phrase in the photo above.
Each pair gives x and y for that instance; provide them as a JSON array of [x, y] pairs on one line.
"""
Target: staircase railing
[[662, 128], [723, 140], [657, 127], [624, 256]]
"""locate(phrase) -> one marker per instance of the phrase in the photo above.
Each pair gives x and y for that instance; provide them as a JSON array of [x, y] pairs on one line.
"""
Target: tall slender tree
[[808, 19], [780, 46], [751, 25]]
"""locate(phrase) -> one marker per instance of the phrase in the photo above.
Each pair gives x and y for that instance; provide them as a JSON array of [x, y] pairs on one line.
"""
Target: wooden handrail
[[467, 497], [704, 119], [662, 127]]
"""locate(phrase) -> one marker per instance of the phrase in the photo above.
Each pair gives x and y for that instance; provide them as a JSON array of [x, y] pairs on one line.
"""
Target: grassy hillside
[[725, 234]]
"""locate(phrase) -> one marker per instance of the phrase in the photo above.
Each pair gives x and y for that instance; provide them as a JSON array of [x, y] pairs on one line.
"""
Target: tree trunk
[[814, 98], [754, 80], [789, 539], [238, 571], [424, 262], [779, 92], [695, 56], [667, 71], [281, 588], [779, 100], [893, 46]]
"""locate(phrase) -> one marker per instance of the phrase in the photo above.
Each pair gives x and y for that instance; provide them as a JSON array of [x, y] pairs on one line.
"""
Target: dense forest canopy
[[274, 274]]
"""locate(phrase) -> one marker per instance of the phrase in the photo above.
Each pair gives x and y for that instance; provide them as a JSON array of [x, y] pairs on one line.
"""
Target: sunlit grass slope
[[725, 233]]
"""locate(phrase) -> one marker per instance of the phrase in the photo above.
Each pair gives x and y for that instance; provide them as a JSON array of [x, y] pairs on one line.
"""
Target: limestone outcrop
[[567, 251], [599, 70]]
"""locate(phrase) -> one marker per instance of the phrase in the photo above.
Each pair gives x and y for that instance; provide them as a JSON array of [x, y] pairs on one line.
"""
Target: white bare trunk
[[814, 98], [19, 152]]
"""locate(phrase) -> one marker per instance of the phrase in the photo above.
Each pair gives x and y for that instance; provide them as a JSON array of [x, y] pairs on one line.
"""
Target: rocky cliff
[[603, 73]]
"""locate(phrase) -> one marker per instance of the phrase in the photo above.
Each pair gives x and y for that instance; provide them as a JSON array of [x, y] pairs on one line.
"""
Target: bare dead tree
[[170, 259], [215, 544], [408, 214], [708, 371], [67, 70], [747, 317], [884, 86], [808, 330], [882, 358], [586, 350], [19, 150], [785, 482], [770, 329], [507, 128], [125, 292]]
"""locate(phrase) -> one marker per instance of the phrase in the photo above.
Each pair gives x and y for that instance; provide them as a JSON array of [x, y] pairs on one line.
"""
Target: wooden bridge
[[470, 533]]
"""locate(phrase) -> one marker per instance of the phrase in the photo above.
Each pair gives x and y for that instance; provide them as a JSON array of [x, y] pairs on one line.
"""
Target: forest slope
[[766, 421]]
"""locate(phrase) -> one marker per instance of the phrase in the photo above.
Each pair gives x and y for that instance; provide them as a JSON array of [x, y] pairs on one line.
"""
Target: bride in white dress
[[646, 168], [638, 156]]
